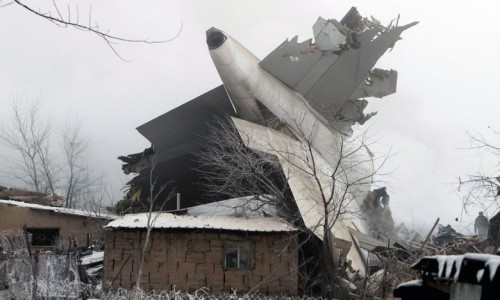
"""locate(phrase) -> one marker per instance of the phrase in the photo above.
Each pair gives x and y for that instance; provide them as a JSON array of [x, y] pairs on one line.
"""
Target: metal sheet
[[327, 36], [241, 75], [292, 61], [172, 135], [327, 79], [343, 77], [304, 187]]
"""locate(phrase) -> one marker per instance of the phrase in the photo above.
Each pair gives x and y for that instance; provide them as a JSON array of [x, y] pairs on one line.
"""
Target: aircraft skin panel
[[316, 73], [291, 62], [378, 83], [173, 136], [244, 79], [327, 79], [347, 72], [304, 187]]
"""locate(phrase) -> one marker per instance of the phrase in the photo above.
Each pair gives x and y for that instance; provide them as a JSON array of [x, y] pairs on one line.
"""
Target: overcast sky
[[448, 67]]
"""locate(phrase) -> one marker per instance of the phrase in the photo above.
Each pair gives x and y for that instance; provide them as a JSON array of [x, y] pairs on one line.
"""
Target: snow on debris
[[61, 210], [413, 283], [168, 220], [95, 257], [92, 272], [492, 265], [479, 275], [458, 266], [446, 264], [251, 206]]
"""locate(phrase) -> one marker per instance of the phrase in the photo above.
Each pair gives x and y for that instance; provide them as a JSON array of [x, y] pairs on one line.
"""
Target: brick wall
[[14, 217], [191, 259]]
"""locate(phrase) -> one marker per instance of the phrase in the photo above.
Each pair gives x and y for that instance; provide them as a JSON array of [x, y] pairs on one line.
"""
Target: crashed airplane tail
[[311, 88], [314, 93]]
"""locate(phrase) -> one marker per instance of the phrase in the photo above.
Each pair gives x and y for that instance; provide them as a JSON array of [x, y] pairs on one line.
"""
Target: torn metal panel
[[136, 162], [327, 79], [339, 82], [353, 111], [365, 241], [353, 20], [378, 83], [327, 36], [292, 61]]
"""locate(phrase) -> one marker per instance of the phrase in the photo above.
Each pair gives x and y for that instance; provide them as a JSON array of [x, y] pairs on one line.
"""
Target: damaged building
[[49, 226], [296, 108], [193, 251]]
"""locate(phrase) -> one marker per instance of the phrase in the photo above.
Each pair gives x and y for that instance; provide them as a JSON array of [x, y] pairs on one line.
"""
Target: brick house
[[189, 252], [51, 226]]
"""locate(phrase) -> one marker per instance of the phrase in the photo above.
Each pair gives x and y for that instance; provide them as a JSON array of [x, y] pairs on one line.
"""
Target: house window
[[44, 236], [238, 255]]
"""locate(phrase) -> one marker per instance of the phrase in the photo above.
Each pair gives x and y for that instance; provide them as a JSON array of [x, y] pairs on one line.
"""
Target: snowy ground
[[6, 295]]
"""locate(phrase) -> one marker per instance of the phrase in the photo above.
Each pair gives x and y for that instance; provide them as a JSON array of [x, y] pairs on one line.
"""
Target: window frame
[[239, 247], [51, 232]]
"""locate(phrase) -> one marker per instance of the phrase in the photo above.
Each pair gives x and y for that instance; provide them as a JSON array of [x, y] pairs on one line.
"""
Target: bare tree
[[241, 162], [76, 177], [482, 190], [97, 201], [152, 214], [70, 18], [49, 161], [28, 134]]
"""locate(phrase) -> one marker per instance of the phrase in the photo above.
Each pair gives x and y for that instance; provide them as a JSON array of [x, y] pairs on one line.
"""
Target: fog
[[447, 65]]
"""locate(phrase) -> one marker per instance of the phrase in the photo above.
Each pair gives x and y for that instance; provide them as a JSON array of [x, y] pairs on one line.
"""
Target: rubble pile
[[396, 263], [24, 195]]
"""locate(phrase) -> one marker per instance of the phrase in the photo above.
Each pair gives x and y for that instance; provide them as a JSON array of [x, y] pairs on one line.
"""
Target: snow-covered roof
[[61, 210], [250, 206], [168, 220]]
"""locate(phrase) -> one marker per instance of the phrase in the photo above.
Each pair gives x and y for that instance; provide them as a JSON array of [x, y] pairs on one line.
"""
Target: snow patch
[[168, 220], [492, 265], [95, 257], [479, 275]]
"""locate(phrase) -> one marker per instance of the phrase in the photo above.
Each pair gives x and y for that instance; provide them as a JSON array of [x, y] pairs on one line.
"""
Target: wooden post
[[429, 235]]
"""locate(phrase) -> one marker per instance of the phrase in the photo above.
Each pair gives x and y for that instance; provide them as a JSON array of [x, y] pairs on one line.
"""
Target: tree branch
[[106, 36]]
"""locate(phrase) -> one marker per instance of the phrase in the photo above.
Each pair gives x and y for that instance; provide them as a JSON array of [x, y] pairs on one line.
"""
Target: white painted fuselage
[[246, 83]]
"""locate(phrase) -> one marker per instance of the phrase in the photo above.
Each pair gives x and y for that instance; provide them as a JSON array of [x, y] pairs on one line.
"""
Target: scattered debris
[[23, 195], [468, 276]]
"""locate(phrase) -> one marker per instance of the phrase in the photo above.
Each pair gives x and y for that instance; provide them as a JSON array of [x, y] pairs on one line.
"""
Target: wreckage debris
[[316, 89], [23, 195], [471, 274]]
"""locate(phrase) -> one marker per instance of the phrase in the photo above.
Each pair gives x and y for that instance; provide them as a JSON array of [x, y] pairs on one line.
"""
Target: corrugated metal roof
[[250, 206], [168, 220], [61, 210]]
